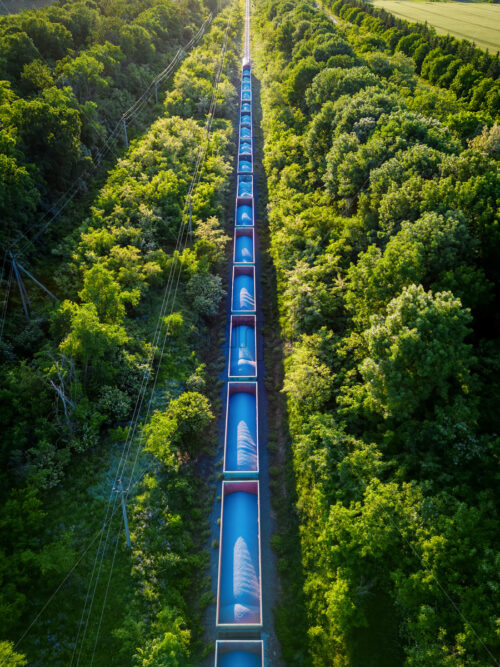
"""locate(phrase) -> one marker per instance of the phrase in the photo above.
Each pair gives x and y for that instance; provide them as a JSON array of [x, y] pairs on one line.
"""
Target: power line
[[181, 242], [59, 206], [109, 516], [68, 196], [194, 184], [6, 301], [89, 546]]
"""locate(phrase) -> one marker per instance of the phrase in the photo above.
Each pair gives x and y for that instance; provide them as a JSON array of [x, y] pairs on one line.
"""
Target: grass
[[479, 22]]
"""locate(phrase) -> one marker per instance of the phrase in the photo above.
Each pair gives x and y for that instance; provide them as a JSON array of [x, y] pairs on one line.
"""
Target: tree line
[[383, 214], [67, 408], [67, 74], [458, 65]]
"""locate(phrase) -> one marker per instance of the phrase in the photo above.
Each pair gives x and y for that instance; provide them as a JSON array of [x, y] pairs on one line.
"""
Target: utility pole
[[122, 492], [16, 269], [22, 289]]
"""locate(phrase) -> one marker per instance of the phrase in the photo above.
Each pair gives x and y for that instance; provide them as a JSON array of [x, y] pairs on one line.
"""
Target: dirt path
[[330, 16]]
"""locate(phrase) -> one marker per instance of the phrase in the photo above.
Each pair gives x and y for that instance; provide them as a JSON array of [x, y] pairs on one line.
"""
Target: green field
[[477, 22]]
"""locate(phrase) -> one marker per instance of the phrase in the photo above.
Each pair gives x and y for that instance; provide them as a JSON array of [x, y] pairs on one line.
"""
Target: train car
[[244, 246], [246, 118], [245, 164], [244, 185], [239, 590], [243, 290], [243, 347], [245, 146], [241, 442], [239, 653], [244, 213]]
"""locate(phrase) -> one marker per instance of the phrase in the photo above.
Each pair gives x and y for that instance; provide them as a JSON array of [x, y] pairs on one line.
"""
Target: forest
[[455, 65], [383, 215], [72, 374], [68, 73], [380, 200]]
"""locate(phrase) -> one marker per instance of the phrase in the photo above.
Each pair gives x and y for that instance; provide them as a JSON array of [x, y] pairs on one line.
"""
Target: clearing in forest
[[479, 22]]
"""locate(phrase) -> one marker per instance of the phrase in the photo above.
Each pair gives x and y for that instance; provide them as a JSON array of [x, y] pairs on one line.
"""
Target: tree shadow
[[289, 610]]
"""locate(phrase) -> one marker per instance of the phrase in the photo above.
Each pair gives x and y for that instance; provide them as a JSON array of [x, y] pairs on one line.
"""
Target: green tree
[[20, 525], [300, 79], [180, 429], [49, 129], [206, 292], [135, 42], [171, 647], [409, 43], [333, 82], [9, 658], [85, 75], [19, 197], [416, 355], [102, 290], [36, 76], [52, 39], [90, 340], [16, 50], [437, 251], [211, 240], [465, 81], [308, 380]]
